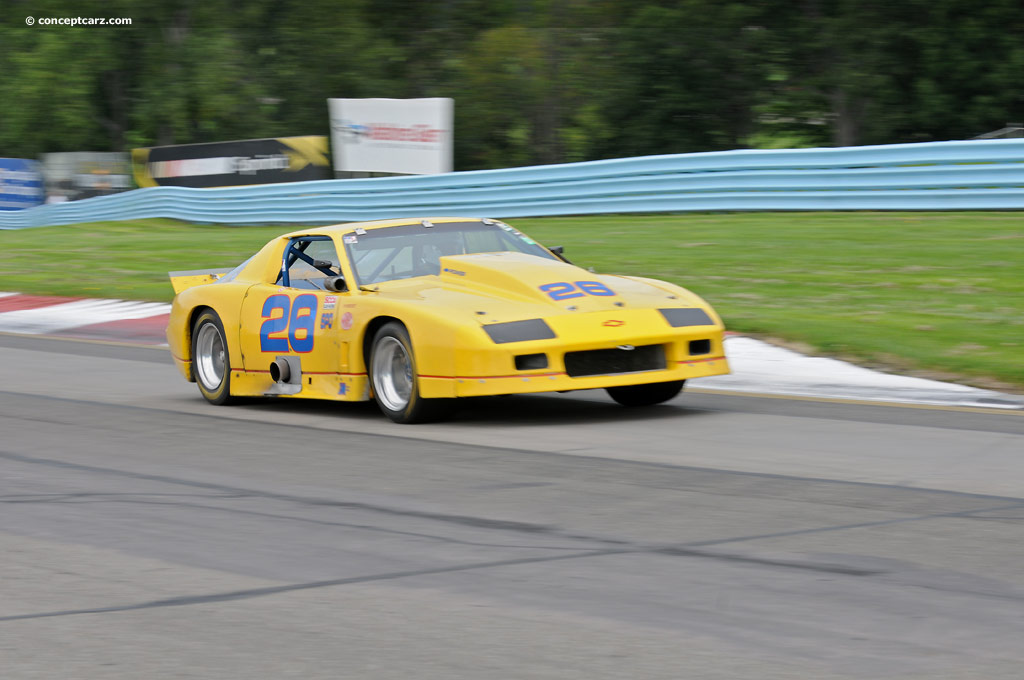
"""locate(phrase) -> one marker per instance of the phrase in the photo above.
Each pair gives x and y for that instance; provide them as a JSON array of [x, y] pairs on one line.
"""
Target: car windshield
[[402, 252]]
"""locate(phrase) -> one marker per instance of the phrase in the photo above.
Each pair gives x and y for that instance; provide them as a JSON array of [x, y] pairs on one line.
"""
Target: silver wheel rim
[[392, 373], [210, 356]]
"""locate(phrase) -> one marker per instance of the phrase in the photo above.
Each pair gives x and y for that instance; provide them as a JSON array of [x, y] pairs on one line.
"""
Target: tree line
[[534, 81]]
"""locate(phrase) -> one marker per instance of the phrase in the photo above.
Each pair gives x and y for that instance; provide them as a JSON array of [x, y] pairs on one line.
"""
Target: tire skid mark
[[249, 593]]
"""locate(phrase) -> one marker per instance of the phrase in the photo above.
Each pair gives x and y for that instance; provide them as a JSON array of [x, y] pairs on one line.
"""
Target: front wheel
[[211, 363], [394, 379], [645, 395]]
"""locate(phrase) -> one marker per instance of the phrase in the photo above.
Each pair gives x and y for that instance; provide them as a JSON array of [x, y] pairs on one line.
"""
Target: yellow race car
[[416, 313]]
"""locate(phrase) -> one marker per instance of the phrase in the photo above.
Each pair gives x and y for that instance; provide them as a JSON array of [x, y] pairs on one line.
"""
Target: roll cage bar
[[296, 250]]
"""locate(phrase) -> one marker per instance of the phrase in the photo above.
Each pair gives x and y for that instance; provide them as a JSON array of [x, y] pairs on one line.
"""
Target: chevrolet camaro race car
[[415, 313]]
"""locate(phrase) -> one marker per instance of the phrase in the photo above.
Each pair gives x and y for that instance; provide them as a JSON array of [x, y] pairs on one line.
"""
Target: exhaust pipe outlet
[[280, 371]]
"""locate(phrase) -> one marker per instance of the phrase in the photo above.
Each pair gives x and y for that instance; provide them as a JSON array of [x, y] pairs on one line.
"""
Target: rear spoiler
[[197, 277]]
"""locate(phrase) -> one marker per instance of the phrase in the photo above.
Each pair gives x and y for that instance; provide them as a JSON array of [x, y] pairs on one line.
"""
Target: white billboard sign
[[407, 136]]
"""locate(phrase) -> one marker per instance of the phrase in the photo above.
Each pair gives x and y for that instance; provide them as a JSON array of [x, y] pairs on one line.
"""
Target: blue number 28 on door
[[563, 290], [294, 317]]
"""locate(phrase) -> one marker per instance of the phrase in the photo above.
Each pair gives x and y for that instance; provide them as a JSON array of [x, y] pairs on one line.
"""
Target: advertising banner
[[225, 164], [406, 136], [21, 184], [83, 174]]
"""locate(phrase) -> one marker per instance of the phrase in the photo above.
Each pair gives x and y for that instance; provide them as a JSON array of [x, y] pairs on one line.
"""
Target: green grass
[[127, 260], [941, 293]]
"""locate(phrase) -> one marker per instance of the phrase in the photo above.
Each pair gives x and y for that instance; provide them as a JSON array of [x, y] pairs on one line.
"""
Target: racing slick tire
[[645, 395], [394, 380], [211, 361]]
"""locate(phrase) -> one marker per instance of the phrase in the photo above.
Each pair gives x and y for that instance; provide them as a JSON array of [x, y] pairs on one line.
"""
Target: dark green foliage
[[535, 81]]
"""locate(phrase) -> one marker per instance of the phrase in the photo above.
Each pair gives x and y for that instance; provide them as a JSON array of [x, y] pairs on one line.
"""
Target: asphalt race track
[[147, 534]]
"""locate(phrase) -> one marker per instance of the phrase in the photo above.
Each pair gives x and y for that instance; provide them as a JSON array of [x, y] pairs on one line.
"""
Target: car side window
[[308, 262]]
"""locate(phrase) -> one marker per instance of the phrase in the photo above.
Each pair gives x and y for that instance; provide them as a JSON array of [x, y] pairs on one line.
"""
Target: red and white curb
[[757, 367], [123, 321], [767, 369]]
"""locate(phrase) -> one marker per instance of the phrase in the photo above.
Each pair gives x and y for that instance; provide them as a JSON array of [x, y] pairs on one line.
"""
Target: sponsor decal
[[327, 320], [342, 389], [252, 161], [21, 184], [330, 301], [350, 238], [350, 130], [455, 271], [407, 136], [614, 323], [513, 231], [228, 165], [346, 321], [74, 175], [388, 132]]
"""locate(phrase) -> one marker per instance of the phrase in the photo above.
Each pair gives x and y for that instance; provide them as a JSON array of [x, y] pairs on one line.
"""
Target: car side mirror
[[558, 251], [335, 284]]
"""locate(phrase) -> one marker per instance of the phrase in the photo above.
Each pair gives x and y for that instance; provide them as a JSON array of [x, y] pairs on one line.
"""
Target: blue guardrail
[[960, 175]]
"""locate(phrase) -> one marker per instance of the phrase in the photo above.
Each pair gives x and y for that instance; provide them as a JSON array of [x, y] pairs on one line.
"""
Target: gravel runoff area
[[758, 367]]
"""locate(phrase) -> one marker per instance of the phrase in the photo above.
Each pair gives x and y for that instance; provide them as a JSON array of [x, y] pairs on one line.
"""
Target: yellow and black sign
[[223, 164]]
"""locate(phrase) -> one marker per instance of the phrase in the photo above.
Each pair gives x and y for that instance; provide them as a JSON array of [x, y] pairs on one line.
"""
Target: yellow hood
[[509, 286]]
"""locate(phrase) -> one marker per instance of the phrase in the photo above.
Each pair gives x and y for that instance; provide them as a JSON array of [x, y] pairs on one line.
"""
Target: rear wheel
[[395, 383], [645, 395], [211, 362]]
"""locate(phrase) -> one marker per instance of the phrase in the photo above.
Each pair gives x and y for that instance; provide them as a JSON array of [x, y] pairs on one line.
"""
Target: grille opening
[[531, 362], [700, 347], [609, 361]]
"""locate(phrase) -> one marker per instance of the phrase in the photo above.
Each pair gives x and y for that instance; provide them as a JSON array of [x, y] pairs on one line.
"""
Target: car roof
[[346, 227]]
